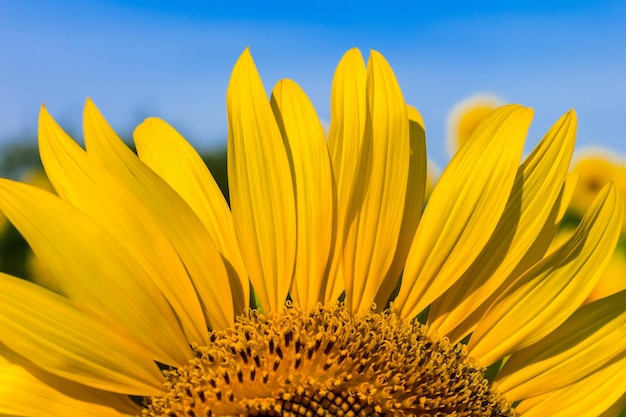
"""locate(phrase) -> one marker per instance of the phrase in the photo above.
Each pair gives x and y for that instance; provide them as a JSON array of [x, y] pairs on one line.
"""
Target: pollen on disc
[[326, 362]]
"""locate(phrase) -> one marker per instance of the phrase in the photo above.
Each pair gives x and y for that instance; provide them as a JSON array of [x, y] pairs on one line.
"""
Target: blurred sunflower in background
[[594, 168], [326, 287], [465, 117]]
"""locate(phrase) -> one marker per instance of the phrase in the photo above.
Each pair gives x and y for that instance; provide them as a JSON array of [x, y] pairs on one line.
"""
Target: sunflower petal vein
[[464, 209], [313, 188], [261, 187], [55, 335], [547, 294]]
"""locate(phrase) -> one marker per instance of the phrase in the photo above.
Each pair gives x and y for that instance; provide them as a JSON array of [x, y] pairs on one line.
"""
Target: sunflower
[[466, 116], [325, 288], [596, 167]]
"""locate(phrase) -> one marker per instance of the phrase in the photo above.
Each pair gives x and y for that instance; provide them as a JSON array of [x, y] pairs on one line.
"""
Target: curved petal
[[588, 397], [378, 192], [413, 205], [49, 330], [531, 206], [26, 392], [73, 247], [186, 173], [568, 191], [347, 126], [546, 295], [614, 278], [617, 409], [535, 252], [261, 187], [464, 209], [588, 340], [86, 185], [173, 216], [313, 188]]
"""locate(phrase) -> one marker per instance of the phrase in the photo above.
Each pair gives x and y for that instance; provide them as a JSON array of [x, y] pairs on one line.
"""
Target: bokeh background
[[172, 59]]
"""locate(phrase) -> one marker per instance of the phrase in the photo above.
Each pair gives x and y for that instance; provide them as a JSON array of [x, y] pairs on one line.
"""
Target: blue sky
[[173, 59]]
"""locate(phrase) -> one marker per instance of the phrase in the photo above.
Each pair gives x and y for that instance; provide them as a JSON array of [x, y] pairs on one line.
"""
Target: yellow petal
[[547, 294], [85, 184], [614, 278], [531, 207], [415, 194], [589, 397], [261, 188], [314, 194], [464, 209], [347, 126], [568, 192], [186, 173], [617, 409], [171, 213], [378, 192], [589, 339], [27, 392], [534, 253], [46, 328], [73, 247]]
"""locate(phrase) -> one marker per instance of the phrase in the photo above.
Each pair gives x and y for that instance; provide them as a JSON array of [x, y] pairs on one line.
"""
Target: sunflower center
[[326, 363]]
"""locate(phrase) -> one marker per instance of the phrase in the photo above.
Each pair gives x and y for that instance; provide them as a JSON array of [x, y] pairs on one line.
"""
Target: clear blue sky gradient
[[173, 59]]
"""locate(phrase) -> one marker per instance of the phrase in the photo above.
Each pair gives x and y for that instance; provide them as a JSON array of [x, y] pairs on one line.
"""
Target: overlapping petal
[[547, 294], [93, 268], [464, 209], [182, 227], [26, 392], [88, 186], [536, 251], [165, 151], [534, 205], [148, 256], [617, 409], [587, 341], [55, 335], [261, 187], [348, 107], [592, 396], [377, 198], [313, 189], [415, 195]]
